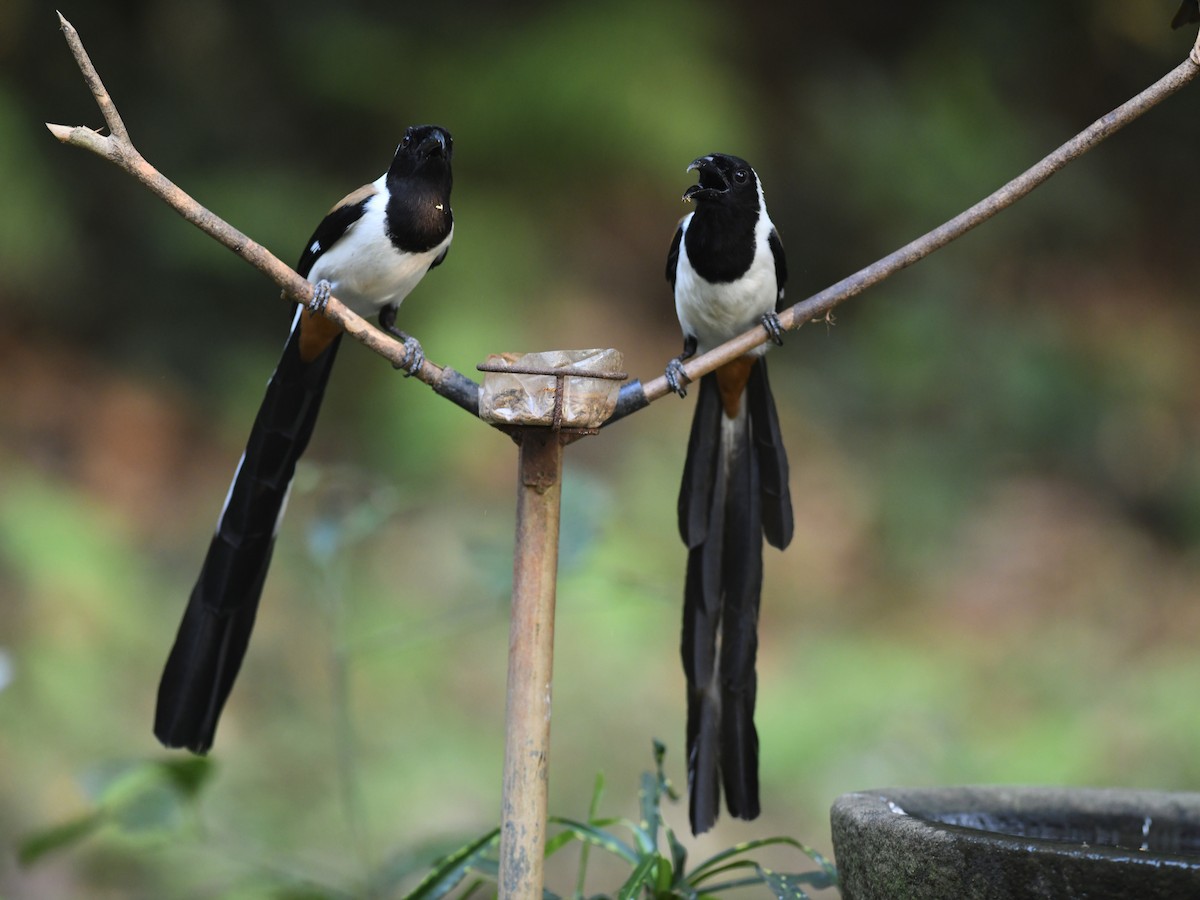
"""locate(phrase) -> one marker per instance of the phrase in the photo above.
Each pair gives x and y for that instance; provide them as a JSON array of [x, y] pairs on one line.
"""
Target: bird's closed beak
[[434, 144]]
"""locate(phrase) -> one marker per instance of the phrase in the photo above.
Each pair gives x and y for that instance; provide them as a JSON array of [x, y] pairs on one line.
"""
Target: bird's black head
[[724, 179], [419, 182], [425, 152]]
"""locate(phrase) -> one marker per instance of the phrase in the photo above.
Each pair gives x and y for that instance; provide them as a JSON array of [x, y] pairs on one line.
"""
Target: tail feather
[[219, 617], [702, 511], [700, 466], [742, 586], [734, 492], [772, 458], [701, 625]]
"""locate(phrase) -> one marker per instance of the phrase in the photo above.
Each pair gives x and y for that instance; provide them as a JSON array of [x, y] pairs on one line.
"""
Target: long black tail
[[734, 493], [216, 625]]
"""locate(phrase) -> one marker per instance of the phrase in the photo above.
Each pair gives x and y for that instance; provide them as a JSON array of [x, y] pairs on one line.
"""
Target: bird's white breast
[[367, 272], [714, 313]]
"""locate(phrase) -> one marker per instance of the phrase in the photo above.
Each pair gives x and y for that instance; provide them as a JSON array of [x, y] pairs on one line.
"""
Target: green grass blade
[[586, 849], [648, 802], [787, 882], [784, 887], [697, 877], [678, 855], [447, 874], [58, 837], [642, 874], [665, 786], [560, 840], [599, 838], [738, 849], [187, 776]]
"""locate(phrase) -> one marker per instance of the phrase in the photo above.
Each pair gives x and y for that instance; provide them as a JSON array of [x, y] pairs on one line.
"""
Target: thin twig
[[92, 78], [117, 148]]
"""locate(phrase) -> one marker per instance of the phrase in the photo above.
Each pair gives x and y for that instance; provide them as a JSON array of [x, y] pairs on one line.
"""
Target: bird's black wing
[[776, 246], [673, 255], [335, 224]]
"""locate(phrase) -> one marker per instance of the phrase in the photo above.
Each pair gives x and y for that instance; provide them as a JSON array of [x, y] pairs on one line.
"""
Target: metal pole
[[530, 663]]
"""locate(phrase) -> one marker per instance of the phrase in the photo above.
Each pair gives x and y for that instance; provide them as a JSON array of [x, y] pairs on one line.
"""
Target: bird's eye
[[741, 176], [407, 140]]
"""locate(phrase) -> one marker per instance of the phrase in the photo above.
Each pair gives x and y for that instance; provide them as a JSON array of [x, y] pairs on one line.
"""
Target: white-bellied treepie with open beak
[[727, 269]]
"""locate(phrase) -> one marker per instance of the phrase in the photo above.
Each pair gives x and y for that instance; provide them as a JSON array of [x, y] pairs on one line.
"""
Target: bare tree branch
[[118, 149], [820, 304]]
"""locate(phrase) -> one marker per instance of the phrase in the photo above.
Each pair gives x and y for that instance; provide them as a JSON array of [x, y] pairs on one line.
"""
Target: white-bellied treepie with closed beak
[[369, 251], [727, 269]]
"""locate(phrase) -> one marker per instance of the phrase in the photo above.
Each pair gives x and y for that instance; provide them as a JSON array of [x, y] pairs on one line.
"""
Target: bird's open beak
[[712, 182]]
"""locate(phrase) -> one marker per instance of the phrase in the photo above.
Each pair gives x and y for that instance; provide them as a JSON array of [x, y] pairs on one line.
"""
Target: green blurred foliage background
[[996, 454]]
